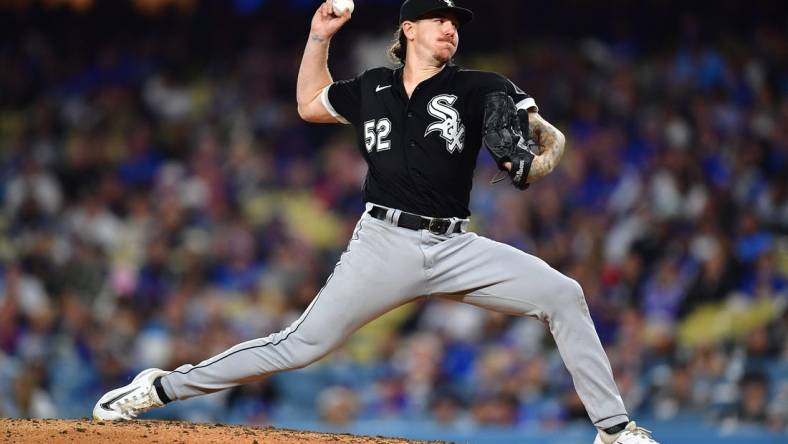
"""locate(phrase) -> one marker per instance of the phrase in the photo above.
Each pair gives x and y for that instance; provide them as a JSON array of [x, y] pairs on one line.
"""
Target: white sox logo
[[451, 130]]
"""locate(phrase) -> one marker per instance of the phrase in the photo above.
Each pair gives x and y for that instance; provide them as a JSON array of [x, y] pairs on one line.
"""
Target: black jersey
[[421, 151]]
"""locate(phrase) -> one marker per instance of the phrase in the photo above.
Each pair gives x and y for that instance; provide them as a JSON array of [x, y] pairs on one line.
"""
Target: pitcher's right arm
[[313, 75]]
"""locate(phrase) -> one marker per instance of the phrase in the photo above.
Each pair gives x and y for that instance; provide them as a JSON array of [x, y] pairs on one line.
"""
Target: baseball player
[[419, 128]]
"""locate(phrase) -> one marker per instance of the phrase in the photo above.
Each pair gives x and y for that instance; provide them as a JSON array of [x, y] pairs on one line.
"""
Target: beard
[[444, 55], [441, 59]]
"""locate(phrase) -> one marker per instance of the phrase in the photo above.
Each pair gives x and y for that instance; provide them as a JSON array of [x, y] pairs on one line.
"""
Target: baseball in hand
[[340, 6]]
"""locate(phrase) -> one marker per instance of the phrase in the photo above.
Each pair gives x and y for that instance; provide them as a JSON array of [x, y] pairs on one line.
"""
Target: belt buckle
[[438, 226]]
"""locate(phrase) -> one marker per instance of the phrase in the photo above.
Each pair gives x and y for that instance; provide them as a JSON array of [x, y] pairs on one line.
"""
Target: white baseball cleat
[[130, 400], [632, 434]]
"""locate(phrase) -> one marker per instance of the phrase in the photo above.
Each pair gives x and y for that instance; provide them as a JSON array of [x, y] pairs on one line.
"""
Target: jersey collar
[[399, 83]]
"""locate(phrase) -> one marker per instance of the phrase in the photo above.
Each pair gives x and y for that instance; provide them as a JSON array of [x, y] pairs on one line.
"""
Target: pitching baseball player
[[420, 128]]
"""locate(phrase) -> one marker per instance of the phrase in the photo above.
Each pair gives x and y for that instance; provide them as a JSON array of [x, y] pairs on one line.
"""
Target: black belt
[[415, 222]]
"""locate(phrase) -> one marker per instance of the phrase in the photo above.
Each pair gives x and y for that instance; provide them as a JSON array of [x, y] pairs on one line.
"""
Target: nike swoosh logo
[[381, 88], [105, 405]]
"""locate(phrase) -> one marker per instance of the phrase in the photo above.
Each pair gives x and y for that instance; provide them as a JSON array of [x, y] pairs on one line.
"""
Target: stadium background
[[162, 201]]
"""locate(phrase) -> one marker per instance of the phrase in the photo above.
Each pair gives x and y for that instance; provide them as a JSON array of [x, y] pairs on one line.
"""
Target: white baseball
[[340, 6]]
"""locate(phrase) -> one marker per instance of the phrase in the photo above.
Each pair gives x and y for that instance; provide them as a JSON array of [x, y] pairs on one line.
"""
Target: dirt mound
[[148, 432]]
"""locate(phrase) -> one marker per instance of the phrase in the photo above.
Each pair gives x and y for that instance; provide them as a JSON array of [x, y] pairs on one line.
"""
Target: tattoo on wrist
[[317, 38], [551, 142]]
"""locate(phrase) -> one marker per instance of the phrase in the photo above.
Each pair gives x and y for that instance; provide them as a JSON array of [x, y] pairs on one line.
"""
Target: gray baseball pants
[[386, 266]]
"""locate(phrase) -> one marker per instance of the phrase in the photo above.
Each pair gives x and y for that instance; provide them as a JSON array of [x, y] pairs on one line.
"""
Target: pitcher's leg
[[317, 332], [352, 296], [496, 276]]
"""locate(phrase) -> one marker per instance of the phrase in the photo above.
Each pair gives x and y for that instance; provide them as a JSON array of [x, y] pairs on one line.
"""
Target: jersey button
[[412, 143], [410, 114]]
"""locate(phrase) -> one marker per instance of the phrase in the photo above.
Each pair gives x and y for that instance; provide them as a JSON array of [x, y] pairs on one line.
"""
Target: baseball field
[[237, 220], [85, 431]]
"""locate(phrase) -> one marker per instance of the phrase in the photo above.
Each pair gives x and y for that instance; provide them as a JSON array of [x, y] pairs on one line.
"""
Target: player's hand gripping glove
[[505, 136]]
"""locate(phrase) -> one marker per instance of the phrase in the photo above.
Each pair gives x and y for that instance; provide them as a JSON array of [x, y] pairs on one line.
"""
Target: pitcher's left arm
[[550, 142], [522, 143]]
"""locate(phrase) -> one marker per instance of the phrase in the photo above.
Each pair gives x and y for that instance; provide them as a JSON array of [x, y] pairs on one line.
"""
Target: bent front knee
[[569, 297]]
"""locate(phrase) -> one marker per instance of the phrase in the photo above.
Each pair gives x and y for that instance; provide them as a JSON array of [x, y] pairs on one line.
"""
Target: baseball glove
[[506, 139]]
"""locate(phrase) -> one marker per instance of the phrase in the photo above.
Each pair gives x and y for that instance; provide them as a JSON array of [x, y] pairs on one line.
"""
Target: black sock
[[616, 428], [160, 391]]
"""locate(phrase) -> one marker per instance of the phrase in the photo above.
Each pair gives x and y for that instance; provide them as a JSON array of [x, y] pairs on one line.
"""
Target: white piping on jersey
[[527, 103], [329, 108]]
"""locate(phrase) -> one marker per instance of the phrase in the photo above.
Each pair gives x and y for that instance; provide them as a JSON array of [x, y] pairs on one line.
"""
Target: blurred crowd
[[160, 205]]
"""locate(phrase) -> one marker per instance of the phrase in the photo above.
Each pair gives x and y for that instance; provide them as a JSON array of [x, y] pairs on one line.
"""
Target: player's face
[[438, 36]]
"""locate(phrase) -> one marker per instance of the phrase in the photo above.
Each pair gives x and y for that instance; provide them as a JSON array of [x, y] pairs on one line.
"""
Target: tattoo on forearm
[[551, 143], [317, 38]]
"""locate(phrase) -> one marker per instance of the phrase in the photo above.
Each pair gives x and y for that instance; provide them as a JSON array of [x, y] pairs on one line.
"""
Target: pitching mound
[[148, 432]]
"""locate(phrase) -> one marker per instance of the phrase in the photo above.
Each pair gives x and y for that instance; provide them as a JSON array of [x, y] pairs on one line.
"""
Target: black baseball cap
[[413, 10]]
